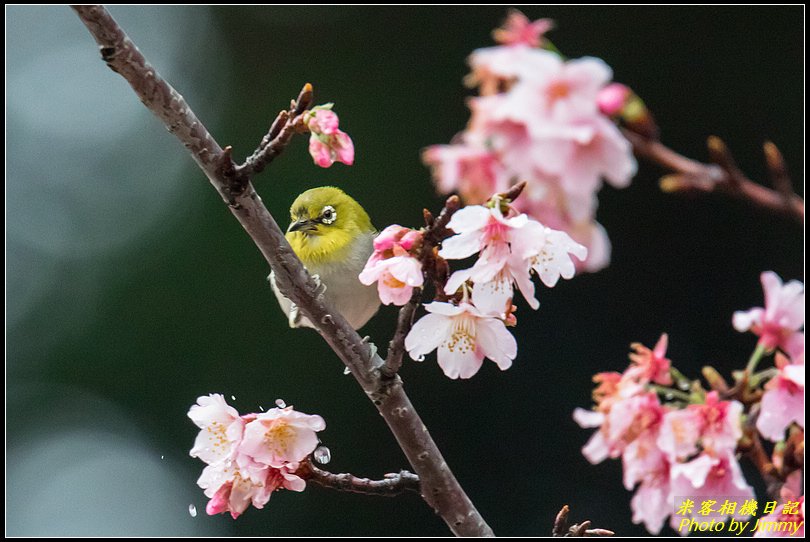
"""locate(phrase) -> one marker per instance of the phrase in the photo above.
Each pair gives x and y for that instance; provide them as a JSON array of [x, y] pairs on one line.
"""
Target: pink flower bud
[[324, 121], [612, 98], [328, 144]]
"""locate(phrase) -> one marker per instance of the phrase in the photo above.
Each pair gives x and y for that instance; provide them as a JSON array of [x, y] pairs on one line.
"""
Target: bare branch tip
[[513, 193], [304, 100], [672, 183], [428, 216]]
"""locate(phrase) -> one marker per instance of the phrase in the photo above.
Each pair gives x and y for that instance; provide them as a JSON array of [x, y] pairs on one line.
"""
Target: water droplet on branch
[[322, 455]]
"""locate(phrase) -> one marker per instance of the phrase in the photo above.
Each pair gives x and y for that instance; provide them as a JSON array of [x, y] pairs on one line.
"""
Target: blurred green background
[[131, 290]]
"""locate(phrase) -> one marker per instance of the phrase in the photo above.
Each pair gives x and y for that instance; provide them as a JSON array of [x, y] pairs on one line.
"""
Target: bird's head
[[323, 223]]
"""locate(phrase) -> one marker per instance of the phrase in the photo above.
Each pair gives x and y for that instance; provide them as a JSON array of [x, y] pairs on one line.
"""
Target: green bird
[[333, 236]]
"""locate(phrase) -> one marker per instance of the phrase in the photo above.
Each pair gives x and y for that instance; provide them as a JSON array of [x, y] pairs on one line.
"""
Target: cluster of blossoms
[[471, 324], [249, 457], [779, 325], [686, 446], [545, 120], [327, 143]]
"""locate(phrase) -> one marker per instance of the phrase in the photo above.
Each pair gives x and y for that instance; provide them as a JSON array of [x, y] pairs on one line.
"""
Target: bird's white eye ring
[[328, 214]]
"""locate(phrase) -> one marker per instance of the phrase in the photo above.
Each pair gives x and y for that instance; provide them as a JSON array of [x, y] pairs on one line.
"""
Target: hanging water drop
[[420, 358], [280, 403], [347, 371], [192, 510], [233, 398], [322, 455], [261, 408]]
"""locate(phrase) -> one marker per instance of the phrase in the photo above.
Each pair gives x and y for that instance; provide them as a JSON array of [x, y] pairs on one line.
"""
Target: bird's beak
[[303, 224]]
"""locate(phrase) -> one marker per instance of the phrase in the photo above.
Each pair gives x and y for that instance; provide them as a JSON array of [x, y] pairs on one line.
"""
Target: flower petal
[[427, 334]]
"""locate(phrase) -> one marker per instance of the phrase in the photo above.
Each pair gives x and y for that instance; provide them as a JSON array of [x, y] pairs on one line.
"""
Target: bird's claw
[[320, 287], [294, 317]]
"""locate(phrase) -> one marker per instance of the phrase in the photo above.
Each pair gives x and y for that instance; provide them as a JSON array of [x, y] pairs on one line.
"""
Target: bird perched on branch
[[333, 236]]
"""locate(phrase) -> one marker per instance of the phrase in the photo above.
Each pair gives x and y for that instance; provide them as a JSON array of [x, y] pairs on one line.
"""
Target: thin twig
[[392, 485], [396, 348], [752, 448], [693, 177], [561, 527], [777, 170], [434, 268], [440, 489], [278, 137]]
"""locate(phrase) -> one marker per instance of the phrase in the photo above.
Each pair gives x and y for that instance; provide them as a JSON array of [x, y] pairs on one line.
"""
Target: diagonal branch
[[723, 176], [440, 489], [392, 485]]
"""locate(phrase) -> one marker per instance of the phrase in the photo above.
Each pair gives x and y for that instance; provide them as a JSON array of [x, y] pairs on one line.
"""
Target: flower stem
[[755, 359], [670, 393], [766, 374]]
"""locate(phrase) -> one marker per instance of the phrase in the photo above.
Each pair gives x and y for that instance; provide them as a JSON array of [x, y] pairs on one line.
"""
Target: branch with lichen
[[722, 175], [440, 489]]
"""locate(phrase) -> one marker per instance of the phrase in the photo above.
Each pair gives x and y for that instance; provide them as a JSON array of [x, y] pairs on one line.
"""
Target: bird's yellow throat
[[322, 249]]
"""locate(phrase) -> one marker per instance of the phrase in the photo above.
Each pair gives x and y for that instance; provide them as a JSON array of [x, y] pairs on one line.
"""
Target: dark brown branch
[[693, 177], [440, 489], [562, 528], [752, 448], [434, 268], [396, 348], [392, 485], [282, 129]]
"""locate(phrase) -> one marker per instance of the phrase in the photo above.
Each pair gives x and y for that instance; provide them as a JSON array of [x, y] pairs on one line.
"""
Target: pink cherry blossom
[[395, 277], [537, 119], [653, 501], [783, 401], [463, 336], [396, 236], [233, 490], [509, 248], [395, 270], [604, 153], [485, 230], [715, 425], [711, 477], [548, 252], [280, 436], [565, 91], [328, 144], [249, 456], [627, 420], [475, 172], [519, 30], [221, 428], [651, 365], [780, 323]]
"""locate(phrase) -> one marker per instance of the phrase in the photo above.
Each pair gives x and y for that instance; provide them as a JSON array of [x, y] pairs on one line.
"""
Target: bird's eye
[[328, 214]]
